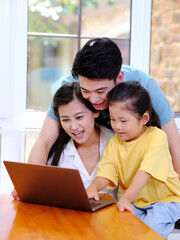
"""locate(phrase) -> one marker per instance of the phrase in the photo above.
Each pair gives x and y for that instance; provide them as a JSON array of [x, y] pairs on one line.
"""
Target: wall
[[165, 48]]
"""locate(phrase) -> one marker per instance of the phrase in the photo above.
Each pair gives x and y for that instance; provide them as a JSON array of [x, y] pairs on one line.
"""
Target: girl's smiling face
[[126, 124], [77, 121]]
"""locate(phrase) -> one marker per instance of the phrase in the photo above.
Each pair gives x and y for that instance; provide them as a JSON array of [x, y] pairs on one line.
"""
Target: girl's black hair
[[64, 95], [137, 100]]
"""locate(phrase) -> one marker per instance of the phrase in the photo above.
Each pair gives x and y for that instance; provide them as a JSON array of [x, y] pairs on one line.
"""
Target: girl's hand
[[124, 204], [15, 195], [138, 182], [92, 193]]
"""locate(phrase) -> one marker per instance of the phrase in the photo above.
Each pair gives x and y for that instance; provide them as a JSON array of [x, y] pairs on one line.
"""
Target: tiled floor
[[175, 235]]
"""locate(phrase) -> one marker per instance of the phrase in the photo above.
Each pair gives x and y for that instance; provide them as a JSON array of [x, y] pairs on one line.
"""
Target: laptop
[[52, 186]]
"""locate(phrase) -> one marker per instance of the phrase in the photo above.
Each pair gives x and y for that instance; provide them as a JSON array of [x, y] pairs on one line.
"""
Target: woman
[[81, 140]]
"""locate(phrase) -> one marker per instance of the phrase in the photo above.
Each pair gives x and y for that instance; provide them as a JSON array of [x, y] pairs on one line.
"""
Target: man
[[97, 66]]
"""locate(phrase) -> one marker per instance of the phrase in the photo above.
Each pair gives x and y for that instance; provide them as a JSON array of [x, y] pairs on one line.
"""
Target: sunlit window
[[30, 139], [58, 29]]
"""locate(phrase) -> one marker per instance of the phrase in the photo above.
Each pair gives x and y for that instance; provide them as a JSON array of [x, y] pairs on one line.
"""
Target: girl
[[81, 141], [138, 158]]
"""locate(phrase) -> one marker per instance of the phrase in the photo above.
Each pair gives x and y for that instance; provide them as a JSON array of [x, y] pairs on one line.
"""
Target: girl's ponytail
[[154, 119]]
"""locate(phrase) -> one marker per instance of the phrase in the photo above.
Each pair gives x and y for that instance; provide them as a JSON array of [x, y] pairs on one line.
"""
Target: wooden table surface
[[25, 221]]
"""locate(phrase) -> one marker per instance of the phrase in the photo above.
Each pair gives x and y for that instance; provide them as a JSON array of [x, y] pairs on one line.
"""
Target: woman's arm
[[174, 143], [138, 182]]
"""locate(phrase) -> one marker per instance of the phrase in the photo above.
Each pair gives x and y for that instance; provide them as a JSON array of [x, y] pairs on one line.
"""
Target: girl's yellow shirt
[[149, 153]]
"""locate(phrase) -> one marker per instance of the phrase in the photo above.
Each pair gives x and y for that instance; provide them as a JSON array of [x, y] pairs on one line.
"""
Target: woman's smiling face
[[77, 121]]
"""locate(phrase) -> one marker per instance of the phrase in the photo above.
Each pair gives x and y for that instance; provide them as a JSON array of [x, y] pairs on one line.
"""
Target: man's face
[[96, 91]]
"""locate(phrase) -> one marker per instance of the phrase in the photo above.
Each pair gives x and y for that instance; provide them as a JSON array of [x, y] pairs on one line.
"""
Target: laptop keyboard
[[95, 203]]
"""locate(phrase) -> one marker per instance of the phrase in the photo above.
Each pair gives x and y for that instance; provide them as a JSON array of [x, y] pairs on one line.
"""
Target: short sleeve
[[157, 158], [160, 102], [50, 111], [51, 114], [107, 166]]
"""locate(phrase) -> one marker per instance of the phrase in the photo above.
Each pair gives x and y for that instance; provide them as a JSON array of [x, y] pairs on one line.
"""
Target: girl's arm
[[96, 186], [138, 182]]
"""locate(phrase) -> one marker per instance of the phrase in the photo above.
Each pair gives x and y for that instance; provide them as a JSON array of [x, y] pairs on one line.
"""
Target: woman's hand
[[15, 195]]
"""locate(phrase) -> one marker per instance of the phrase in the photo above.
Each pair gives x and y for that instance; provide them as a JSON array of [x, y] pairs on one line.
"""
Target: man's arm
[[174, 143], [47, 137]]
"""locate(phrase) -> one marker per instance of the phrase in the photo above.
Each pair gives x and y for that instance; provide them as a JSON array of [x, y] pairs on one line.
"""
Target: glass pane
[[165, 49], [110, 18], [53, 16], [123, 45], [29, 142], [49, 59]]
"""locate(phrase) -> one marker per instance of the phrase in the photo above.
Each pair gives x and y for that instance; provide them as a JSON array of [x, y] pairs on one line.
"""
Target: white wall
[[13, 46]]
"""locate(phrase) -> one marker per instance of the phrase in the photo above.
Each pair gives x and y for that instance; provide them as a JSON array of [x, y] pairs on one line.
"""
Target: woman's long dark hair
[[137, 100], [64, 95]]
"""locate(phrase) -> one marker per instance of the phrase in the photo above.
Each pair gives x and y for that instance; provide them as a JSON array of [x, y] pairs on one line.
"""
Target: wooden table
[[25, 221]]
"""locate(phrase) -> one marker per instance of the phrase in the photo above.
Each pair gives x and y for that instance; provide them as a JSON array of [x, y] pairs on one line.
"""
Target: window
[[28, 50], [30, 138], [58, 29]]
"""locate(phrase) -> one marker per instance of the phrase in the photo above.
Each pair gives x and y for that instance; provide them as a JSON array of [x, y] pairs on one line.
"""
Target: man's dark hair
[[100, 58]]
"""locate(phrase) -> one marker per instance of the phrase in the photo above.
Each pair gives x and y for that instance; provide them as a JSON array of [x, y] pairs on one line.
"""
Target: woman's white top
[[71, 159]]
